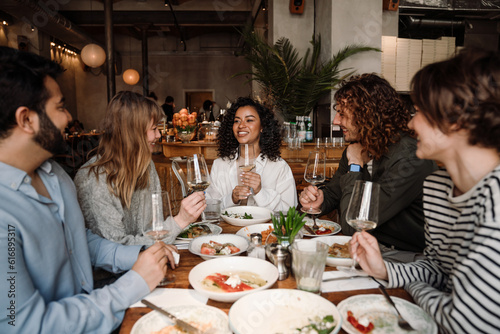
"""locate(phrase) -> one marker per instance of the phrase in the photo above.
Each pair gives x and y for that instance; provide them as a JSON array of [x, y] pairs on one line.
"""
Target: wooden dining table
[[189, 260]]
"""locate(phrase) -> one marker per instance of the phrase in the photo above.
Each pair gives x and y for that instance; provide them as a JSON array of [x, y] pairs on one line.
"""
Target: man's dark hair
[[22, 76], [169, 99], [270, 138], [207, 105]]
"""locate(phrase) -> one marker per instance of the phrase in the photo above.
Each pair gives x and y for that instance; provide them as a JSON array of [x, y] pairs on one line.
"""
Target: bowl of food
[[216, 246], [230, 278], [194, 231], [246, 215], [338, 252]]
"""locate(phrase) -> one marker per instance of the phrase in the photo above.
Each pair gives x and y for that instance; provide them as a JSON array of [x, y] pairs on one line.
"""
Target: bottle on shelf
[[309, 130], [301, 128]]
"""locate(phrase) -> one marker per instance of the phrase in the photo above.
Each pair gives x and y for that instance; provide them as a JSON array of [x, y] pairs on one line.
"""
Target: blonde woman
[[109, 184]]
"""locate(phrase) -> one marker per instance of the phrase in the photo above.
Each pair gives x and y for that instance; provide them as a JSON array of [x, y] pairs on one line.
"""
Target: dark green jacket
[[400, 175]]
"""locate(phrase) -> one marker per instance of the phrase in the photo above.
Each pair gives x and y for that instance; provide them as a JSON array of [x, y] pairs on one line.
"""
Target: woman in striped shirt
[[458, 124]]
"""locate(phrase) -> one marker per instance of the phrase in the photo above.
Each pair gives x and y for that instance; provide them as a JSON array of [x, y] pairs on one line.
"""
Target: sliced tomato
[[220, 281], [207, 249], [354, 322], [233, 249], [215, 243], [326, 231]]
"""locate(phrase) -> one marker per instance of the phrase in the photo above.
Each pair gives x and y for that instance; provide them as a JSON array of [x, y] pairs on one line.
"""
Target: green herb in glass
[[290, 225]]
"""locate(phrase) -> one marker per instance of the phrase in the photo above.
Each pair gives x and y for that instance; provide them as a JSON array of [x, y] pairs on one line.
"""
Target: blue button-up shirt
[[47, 257]]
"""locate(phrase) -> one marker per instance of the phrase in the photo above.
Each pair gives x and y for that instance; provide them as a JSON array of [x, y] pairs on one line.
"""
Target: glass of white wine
[[156, 210], [246, 162], [315, 174], [362, 212], [198, 178]]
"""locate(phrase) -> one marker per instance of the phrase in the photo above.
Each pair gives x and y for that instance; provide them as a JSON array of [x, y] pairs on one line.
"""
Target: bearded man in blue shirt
[[47, 254]]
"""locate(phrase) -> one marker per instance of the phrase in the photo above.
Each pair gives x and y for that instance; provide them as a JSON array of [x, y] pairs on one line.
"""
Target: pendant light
[[130, 76], [93, 55]]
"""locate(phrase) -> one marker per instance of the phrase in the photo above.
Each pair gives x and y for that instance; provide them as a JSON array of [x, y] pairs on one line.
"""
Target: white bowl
[[260, 215], [336, 261], [279, 311], [264, 269], [238, 241]]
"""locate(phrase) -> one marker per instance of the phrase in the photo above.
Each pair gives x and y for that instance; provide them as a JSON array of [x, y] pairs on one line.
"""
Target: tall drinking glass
[[362, 212], [246, 163], [155, 211]]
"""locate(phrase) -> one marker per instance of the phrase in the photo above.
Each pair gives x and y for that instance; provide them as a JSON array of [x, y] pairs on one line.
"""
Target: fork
[[401, 322]]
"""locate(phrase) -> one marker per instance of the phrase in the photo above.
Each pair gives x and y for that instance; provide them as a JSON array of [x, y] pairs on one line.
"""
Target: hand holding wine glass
[[315, 174], [362, 212], [155, 211]]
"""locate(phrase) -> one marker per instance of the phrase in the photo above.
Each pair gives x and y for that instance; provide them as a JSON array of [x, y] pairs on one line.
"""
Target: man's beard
[[49, 136]]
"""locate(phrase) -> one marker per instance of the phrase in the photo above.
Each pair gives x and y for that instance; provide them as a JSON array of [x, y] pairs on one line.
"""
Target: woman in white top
[[458, 124], [248, 122]]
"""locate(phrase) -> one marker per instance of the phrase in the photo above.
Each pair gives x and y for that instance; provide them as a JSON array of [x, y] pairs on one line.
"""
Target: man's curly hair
[[270, 138], [376, 110], [463, 91]]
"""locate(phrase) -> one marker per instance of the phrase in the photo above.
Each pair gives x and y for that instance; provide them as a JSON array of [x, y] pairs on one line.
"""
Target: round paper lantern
[[131, 76], [93, 55]]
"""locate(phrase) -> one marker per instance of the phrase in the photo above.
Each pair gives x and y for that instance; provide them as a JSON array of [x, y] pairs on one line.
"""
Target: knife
[[178, 322], [344, 278]]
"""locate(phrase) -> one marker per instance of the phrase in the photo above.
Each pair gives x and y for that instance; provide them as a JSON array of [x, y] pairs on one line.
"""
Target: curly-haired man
[[375, 122]]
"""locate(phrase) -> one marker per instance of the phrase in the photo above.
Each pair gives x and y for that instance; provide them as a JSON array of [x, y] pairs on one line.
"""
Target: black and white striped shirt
[[459, 282]]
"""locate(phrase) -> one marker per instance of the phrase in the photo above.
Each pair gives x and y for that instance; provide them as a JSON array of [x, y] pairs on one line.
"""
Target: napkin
[[348, 284], [166, 297], [177, 257], [182, 244]]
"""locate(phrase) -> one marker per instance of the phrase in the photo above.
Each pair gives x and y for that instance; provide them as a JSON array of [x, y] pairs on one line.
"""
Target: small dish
[[334, 227], [237, 240], [260, 215], [216, 230]]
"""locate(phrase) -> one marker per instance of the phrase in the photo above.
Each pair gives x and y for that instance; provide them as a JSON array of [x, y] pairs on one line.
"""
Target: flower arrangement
[[185, 125]]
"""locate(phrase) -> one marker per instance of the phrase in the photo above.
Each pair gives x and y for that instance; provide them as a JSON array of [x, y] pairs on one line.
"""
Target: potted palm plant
[[294, 85]]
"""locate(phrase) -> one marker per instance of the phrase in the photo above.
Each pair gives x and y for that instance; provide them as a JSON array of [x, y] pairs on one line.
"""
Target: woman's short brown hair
[[463, 92]]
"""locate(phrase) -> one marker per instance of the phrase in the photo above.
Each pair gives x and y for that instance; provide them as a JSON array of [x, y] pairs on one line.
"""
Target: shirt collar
[[12, 177]]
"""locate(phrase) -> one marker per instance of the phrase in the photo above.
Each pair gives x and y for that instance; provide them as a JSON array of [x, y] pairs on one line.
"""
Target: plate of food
[[283, 311], [375, 310], [246, 215], [215, 246], [338, 252], [203, 317], [264, 229], [326, 227], [197, 230], [230, 278]]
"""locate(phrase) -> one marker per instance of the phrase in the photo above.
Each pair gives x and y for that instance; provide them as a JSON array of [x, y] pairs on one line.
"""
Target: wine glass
[[246, 162], [362, 212], [156, 210], [198, 178], [315, 174]]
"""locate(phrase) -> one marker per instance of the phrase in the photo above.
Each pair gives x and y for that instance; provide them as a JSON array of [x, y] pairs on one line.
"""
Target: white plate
[[335, 227], [155, 321], [337, 261], [264, 269], [238, 241], [279, 311], [376, 309], [216, 230], [260, 215]]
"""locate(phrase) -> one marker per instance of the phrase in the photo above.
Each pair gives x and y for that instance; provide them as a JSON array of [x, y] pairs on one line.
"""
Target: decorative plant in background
[[292, 84]]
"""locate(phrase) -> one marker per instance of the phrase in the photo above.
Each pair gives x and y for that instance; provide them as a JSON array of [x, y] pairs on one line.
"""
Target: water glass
[[308, 264], [212, 211]]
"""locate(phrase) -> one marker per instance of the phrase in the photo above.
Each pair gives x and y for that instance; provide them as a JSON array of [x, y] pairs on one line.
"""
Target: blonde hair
[[123, 151]]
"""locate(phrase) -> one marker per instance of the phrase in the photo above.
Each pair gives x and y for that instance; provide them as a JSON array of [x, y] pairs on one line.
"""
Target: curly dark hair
[[270, 138], [463, 91], [377, 111]]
